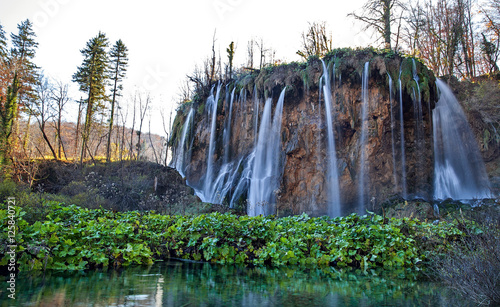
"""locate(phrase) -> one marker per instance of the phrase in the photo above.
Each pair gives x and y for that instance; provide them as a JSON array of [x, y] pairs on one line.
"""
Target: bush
[[472, 265]]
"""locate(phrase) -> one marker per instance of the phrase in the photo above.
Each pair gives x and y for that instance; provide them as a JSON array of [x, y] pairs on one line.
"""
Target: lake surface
[[196, 284]]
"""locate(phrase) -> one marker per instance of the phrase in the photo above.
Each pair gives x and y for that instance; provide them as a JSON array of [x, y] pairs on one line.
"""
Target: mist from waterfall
[[459, 170]]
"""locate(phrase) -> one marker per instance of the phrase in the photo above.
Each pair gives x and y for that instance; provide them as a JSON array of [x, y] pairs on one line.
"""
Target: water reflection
[[195, 284]]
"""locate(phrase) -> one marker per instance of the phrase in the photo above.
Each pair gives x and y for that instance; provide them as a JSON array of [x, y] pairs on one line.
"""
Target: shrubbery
[[71, 237], [472, 265]]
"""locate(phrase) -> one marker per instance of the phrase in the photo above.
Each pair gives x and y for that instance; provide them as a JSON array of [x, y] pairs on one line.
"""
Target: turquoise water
[[196, 284]]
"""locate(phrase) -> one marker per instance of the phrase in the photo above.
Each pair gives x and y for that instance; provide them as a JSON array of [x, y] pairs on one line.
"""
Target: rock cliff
[[398, 155]]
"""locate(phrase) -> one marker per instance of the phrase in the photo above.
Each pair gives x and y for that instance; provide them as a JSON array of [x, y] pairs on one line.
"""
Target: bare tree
[[123, 115], [151, 140], [144, 103], [250, 52], [131, 153], [490, 38], [379, 15], [315, 41], [262, 53], [166, 131], [40, 108], [59, 95]]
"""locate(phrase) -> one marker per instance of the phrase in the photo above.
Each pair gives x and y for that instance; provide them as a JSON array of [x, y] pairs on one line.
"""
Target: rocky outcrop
[[303, 184]]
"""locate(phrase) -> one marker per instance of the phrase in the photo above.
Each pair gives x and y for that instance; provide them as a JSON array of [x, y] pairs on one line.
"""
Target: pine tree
[[92, 77], [3, 44], [4, 71], [21, 60], [119, 62], [21, 75]]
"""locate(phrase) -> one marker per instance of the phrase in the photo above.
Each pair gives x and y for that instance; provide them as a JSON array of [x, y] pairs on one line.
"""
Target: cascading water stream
[[459, 170], [419, 124], [402, 138], [393, 143], [227, 129], [180, 154], [256, 103], [363, 140], [334, 204], [208, 184], [264, 179]]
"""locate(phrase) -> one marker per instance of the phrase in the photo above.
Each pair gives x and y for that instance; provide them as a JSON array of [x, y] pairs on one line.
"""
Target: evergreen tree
[[21, 75], [4, 71], [92, 77], [3, 44], [119, 61], [8, 114], [21, 60]]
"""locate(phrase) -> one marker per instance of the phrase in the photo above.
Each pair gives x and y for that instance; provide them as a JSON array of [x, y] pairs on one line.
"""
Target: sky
[[166, 39]]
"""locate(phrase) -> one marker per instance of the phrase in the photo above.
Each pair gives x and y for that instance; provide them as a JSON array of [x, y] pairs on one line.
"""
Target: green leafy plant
[[73, 238]]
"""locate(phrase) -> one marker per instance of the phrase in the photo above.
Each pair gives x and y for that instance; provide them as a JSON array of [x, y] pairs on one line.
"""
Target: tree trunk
[[387, 24], [111, 117]]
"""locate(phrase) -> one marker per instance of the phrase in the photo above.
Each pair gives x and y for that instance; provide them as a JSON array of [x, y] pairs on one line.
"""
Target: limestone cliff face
[[302, 186]]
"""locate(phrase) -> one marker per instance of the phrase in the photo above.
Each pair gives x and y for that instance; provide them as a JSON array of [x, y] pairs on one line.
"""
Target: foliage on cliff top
[[300, 77], [70, 237]]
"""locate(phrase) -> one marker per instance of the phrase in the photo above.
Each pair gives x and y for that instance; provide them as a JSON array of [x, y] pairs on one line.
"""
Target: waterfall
[[256, 103], [179, 163], [208, 185], [419, 126], [245, 178], [334, 205], [393, 126], [459, 170], [402, 138], [264, 180], [362, 140], [227, 129]]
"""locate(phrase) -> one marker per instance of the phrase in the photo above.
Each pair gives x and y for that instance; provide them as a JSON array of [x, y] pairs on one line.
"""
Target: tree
[[250, 52], [413, 31], [8, 114], [143, 108], [19, 74], [21, 60], [316, 41], [59, 97], [92, 77], [4, 71], [119, 61], [262, 52], [490, 38], [379, 15], [41, 109], [230, 56], [3, 44]]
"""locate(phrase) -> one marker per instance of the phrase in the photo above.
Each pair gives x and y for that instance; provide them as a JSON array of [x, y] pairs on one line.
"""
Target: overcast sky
[[166, 39]]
